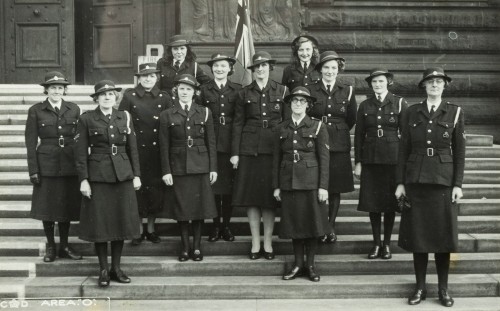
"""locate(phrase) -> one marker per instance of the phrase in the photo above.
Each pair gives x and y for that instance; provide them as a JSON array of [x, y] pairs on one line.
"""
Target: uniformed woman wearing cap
[[145, 102], [220, 96], [189, 163], [109, 176], [430, 173], [51, 164], [179, 59], [336, 107], [258, 110], [305, 55], [300, 181], [376, 143]]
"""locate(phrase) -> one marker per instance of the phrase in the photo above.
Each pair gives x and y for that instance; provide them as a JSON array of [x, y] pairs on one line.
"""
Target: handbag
[[403, 204]]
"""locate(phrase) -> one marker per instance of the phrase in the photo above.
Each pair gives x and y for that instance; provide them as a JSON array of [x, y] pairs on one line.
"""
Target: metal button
[[379, 117], [156, 117], [329, 106], [329, 97], [263, 104], [154, 143], [295, 132], [430, 121], [222, 113], [429, 130], [379, 109], [295, 151], [59, 127], [379, 126], [305, 77], [329, 114], [133, 94], [141, 131], [222, 105], [263, 95], [188, 127], [161, 95], [111, 126], [428, 142], [95, 133], [222, 96], [159, 106], [294, 141], [112, 135], [263, 113], [154, 130]]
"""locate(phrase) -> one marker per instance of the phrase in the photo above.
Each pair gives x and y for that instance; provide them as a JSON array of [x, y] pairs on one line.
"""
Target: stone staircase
[[226, 273]]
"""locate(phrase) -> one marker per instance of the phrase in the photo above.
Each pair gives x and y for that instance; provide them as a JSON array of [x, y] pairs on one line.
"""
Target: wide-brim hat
[[147, 68], [308, 37], [104, 86], [302, 91], [179, 40], [378, 72], [434, 72], [187, 79], [261, 57], [54, 77], [217, 57], [327, 56]]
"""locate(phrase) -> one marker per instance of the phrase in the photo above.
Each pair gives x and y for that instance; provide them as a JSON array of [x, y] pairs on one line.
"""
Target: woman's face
[[185, 92], [148, 81], [330, 70], [262, 71], [55, 92], [434, 86], [379, 84], [221, 69], [298, 104], [179, 52], [305, 51], [106, 99]]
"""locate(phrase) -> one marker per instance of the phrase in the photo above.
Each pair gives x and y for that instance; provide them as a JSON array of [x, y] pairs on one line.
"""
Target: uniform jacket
[[376, 139], [432, 149], [301, 157], [294, 76], [106, 163], [256, 114], [221, 103], [337, 110], [54, 156], [168, 73], [187, 142]]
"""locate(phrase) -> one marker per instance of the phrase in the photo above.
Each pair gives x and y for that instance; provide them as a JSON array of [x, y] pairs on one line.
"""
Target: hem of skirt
[[253, 205], [191, 218], [49, 218], [309, 236], [99, 240], [432, 251], [376, 211]]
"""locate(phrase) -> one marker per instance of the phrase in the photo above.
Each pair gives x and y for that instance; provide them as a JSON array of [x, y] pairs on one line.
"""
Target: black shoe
[[374, 252], [254, 256], [183, 256], [196, 255], [417, 297], [386, 252], [322, 239], [311, 273], [269, 256], [292, 274], [50, 253], [103, 280], [215, 235], [152, 237], [227, 235], [331, 238], [445, 298], [119, 276], [68, 252], [138, 241]]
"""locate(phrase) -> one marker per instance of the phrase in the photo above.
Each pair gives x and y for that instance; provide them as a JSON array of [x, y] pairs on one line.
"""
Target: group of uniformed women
[[187, 147]]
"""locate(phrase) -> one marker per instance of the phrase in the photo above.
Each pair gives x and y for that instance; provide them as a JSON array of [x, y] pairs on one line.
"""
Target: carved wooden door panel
[[39, 37], [112, 40]]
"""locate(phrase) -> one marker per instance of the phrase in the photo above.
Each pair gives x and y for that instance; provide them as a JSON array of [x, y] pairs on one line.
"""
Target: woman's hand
[[235, 160], [168, 180], [137, 183], [456, 194], [213, 177], [400, 190], [322, 195], [35, 179], [85, 188], [357, 170], [277, 194]]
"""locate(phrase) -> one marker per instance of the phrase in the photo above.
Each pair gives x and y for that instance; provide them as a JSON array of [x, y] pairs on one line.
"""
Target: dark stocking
[[442, 268], [218, 206], [184, 226], [197, 224], [298, 252], [311, 247], [375, 220], [333, 209], [63, 234], [420, 264], [227, 210], [388, 224], [116, 254], [101, 250], [48, 228]]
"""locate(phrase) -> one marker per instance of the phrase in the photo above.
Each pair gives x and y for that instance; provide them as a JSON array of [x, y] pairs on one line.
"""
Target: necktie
[[432, 110], [305, 67], [221, 86], [57, 110], [186, 109], [328, 88], [379, 98], [177, 65]]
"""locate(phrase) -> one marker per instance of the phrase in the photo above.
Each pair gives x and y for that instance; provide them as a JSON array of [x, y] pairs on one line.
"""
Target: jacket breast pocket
[[276, 104], [391, 119], [46, 128], [70, 126], [444, 130], [96, 131], [199, 126], [309, 139]]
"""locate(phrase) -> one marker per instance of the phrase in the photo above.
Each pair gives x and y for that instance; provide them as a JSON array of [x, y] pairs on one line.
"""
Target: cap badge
[[259, 58], [147, 67], [435, 73], [106, 86], [55, 78]]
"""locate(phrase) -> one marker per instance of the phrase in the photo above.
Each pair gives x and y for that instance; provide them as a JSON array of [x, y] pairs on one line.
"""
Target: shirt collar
[[299, 120], [382, 96], [180, 62], [58, 105], [331, 85]]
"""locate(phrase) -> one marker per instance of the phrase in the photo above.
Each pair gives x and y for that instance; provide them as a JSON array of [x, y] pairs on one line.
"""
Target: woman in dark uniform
[[305, 56], [189, 163], [336, 107], [51, 165], [179, 59], [220, 96], [300, 180], [109, 176], [258, 110], [145, 102], [430, 173], [376, 145]]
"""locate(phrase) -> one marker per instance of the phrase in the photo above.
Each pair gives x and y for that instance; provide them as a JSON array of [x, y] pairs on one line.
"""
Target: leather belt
[[381, 133], [263, 123], [61, 141], [298, 156], [113, 150], [190, 142], [430, 152]]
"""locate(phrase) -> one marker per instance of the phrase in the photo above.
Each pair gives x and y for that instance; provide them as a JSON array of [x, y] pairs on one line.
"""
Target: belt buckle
[[324, 119], [430, 152], [222, 120], [114, 149], [265, 124], [296, 157], [61, 142], [190, 142], [380, 132]]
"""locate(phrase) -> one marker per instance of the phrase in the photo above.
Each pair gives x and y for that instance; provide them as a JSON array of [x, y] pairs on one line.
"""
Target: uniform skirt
[[225, 174], [192, 198], [302, 215], [150, 196], [111, 214], [430, 225], [253, 185], [377, 187], [56, 199], [341, 179]]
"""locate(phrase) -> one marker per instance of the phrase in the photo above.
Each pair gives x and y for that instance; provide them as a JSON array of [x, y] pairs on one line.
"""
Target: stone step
[[18, 266], [170, 245], [11, 287], [348, 264], [259, 287]]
